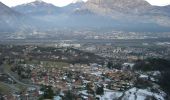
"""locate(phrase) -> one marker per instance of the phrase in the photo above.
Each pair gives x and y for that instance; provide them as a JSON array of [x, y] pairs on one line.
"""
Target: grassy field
[[7, 68], [4, 88], [54, 64], [20, 87]]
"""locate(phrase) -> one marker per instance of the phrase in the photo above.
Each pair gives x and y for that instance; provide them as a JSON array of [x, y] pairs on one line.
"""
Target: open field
[[54, 64], [4, 88]]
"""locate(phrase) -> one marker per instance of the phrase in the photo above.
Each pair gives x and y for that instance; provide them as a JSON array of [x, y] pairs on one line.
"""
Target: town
[[84, 50], [68, 72]]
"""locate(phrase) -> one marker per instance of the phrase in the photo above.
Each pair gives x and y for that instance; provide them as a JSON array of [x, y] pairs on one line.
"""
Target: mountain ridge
[[36, 8], [134, 10], [116, 14]]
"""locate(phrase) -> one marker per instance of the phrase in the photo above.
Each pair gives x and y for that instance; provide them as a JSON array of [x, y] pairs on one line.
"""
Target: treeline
[[152, 64], [157, 64]]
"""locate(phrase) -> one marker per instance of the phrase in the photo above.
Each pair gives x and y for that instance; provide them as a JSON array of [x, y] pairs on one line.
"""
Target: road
[[21, 83], [16, 80]]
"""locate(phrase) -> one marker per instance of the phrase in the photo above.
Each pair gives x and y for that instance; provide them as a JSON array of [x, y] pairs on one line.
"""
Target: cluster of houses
[[85, 81], [78, 76], [23, 95], [125, 53]]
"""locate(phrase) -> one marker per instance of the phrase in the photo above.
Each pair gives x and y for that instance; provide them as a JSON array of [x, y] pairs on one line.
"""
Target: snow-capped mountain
[[129, 11], [133, 15], [68, 16], [5, 10], [123, 6], [41, 8], [75, 5], [77, 1], [37, 8]]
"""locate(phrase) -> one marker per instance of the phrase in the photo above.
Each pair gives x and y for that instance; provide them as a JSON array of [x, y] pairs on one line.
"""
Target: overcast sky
[[66, 2]]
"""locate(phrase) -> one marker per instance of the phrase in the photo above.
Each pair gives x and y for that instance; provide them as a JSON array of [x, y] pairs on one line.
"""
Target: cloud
[[159, 2]]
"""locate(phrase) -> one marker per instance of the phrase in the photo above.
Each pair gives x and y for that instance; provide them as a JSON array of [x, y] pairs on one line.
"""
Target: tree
[[110, 65], [165, 81], [48, 92], [150, 98], [69, 96], [89, 89], [117, 66], [153, 64], [1, 62], [100, 90]]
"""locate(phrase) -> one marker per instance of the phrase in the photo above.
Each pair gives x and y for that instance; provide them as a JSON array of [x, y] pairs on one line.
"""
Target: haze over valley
[[84, 50], [93, 14]]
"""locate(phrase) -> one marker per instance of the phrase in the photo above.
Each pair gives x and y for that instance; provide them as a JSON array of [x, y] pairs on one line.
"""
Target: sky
[[61, 3]]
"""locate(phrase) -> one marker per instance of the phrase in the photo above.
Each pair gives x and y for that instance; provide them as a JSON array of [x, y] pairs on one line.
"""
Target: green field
[[4, 88], [54, 64]]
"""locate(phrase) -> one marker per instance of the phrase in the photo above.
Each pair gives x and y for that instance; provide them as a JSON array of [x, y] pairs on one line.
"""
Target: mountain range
[[127, 15]]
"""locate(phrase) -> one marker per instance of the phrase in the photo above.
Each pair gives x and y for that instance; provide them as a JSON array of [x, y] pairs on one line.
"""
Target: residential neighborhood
[[32, 72]]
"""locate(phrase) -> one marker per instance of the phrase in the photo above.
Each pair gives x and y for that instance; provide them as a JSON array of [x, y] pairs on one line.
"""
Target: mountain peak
[[124, 6], [119, 3], [37, 3], [37, 7], [78, 1], [2, 5], [5, 10]]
